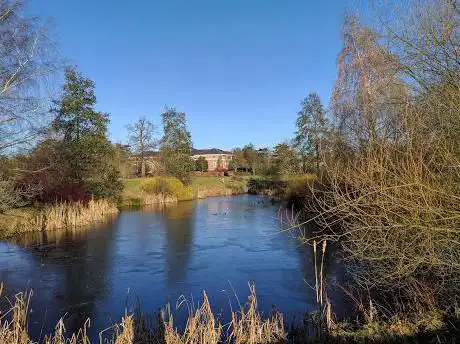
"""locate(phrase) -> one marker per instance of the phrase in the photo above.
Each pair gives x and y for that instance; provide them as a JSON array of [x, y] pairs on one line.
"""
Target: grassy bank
[[287, 187], [135, 193], [52, 217]]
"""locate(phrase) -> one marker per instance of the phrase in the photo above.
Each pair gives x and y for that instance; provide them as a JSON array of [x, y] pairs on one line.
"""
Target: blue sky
[[238, 68]]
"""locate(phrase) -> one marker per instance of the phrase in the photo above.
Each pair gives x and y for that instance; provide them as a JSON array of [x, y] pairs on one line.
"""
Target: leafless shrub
[[390, 192], [12, 196]]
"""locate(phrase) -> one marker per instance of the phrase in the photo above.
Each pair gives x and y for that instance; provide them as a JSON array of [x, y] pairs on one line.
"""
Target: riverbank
[[85, 264], [290, 188], [201, 187], [53, 217], [248, 325], [76, 214]]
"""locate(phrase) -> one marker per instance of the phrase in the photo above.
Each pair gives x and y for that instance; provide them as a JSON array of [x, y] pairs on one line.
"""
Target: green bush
[[167, 186], [110, 187]]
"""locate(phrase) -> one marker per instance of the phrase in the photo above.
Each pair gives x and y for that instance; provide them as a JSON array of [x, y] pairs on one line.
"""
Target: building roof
[[148, 154], [209, 151], [194, 152]]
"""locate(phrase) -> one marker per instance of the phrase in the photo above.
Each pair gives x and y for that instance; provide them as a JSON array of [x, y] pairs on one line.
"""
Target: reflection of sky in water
[[218, 244]]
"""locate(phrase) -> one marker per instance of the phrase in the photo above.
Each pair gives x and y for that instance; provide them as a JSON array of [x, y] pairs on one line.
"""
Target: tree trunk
[[317, 158], [142, 167]]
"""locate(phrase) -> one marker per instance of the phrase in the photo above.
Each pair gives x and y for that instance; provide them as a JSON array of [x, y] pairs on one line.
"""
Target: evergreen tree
[[84, 137], [238, 161], [312, 127], [251, 156]]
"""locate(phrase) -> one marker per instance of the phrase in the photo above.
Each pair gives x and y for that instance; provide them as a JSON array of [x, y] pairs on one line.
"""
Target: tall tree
[[142, 139], [83, 130], [122, 160], [26, 59], [201, 164], [285, 159], [176, 145], [312, 126], [238, 161], [251, 156], [368, 93]]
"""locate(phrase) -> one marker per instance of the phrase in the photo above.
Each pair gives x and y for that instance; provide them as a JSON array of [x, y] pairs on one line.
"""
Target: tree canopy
[[83, 133], [142, 139], [312, 126], [176, 145]]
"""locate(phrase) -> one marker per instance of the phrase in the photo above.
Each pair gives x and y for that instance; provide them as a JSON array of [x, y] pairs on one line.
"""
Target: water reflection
[[74, 265], [157, 254], [179, 225]]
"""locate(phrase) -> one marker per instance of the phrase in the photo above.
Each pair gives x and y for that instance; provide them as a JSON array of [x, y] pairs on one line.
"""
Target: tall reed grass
[[248, 326], [58, 216], [202, 327]]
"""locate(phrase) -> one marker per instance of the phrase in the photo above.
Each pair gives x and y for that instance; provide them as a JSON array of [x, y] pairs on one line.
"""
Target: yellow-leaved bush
[[167, 187]]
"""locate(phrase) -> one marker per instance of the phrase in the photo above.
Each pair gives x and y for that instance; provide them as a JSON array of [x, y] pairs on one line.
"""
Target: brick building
[[217, 159]]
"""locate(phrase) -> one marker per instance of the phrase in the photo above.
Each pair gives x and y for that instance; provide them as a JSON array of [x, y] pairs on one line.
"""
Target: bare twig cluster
[[390, 190]]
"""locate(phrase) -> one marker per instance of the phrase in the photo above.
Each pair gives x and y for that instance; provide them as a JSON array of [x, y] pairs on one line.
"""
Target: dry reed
[[202, 327], [14, 331], [59, 216], [64, 215], [248, 326]]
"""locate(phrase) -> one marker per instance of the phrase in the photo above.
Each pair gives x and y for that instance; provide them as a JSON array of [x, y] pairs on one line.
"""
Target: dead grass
[[202, 327], [248, 326], [14, 331], [58, 216]]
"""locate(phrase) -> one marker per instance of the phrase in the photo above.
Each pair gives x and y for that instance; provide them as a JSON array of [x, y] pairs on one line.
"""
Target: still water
[[156, 255]]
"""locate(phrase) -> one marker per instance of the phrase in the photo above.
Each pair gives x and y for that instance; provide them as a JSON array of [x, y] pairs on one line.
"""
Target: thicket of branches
[[27, 60], [390, 192]]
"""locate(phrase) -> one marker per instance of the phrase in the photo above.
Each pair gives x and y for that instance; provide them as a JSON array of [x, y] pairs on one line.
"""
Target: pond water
[[156, 255]]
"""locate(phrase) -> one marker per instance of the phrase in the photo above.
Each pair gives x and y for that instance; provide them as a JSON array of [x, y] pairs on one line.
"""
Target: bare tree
[[368, 89], [394, 205], [142, 139], [426, 37], [25, 62]]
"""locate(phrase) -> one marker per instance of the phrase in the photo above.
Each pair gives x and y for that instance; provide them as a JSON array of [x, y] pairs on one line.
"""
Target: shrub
[[167, 187], [110, 187], [298, 186]]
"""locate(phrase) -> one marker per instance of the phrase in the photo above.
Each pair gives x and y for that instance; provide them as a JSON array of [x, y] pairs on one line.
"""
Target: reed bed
[[14, 331], [64, 215], [248, 326], [57, 216], [158, 199], [202, 327]]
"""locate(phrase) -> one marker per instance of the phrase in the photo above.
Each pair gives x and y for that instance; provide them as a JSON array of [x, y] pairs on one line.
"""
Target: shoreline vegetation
[[247, 324], [55, 217], [165, 190], [370, 324], [384, 188], [137, 192]]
